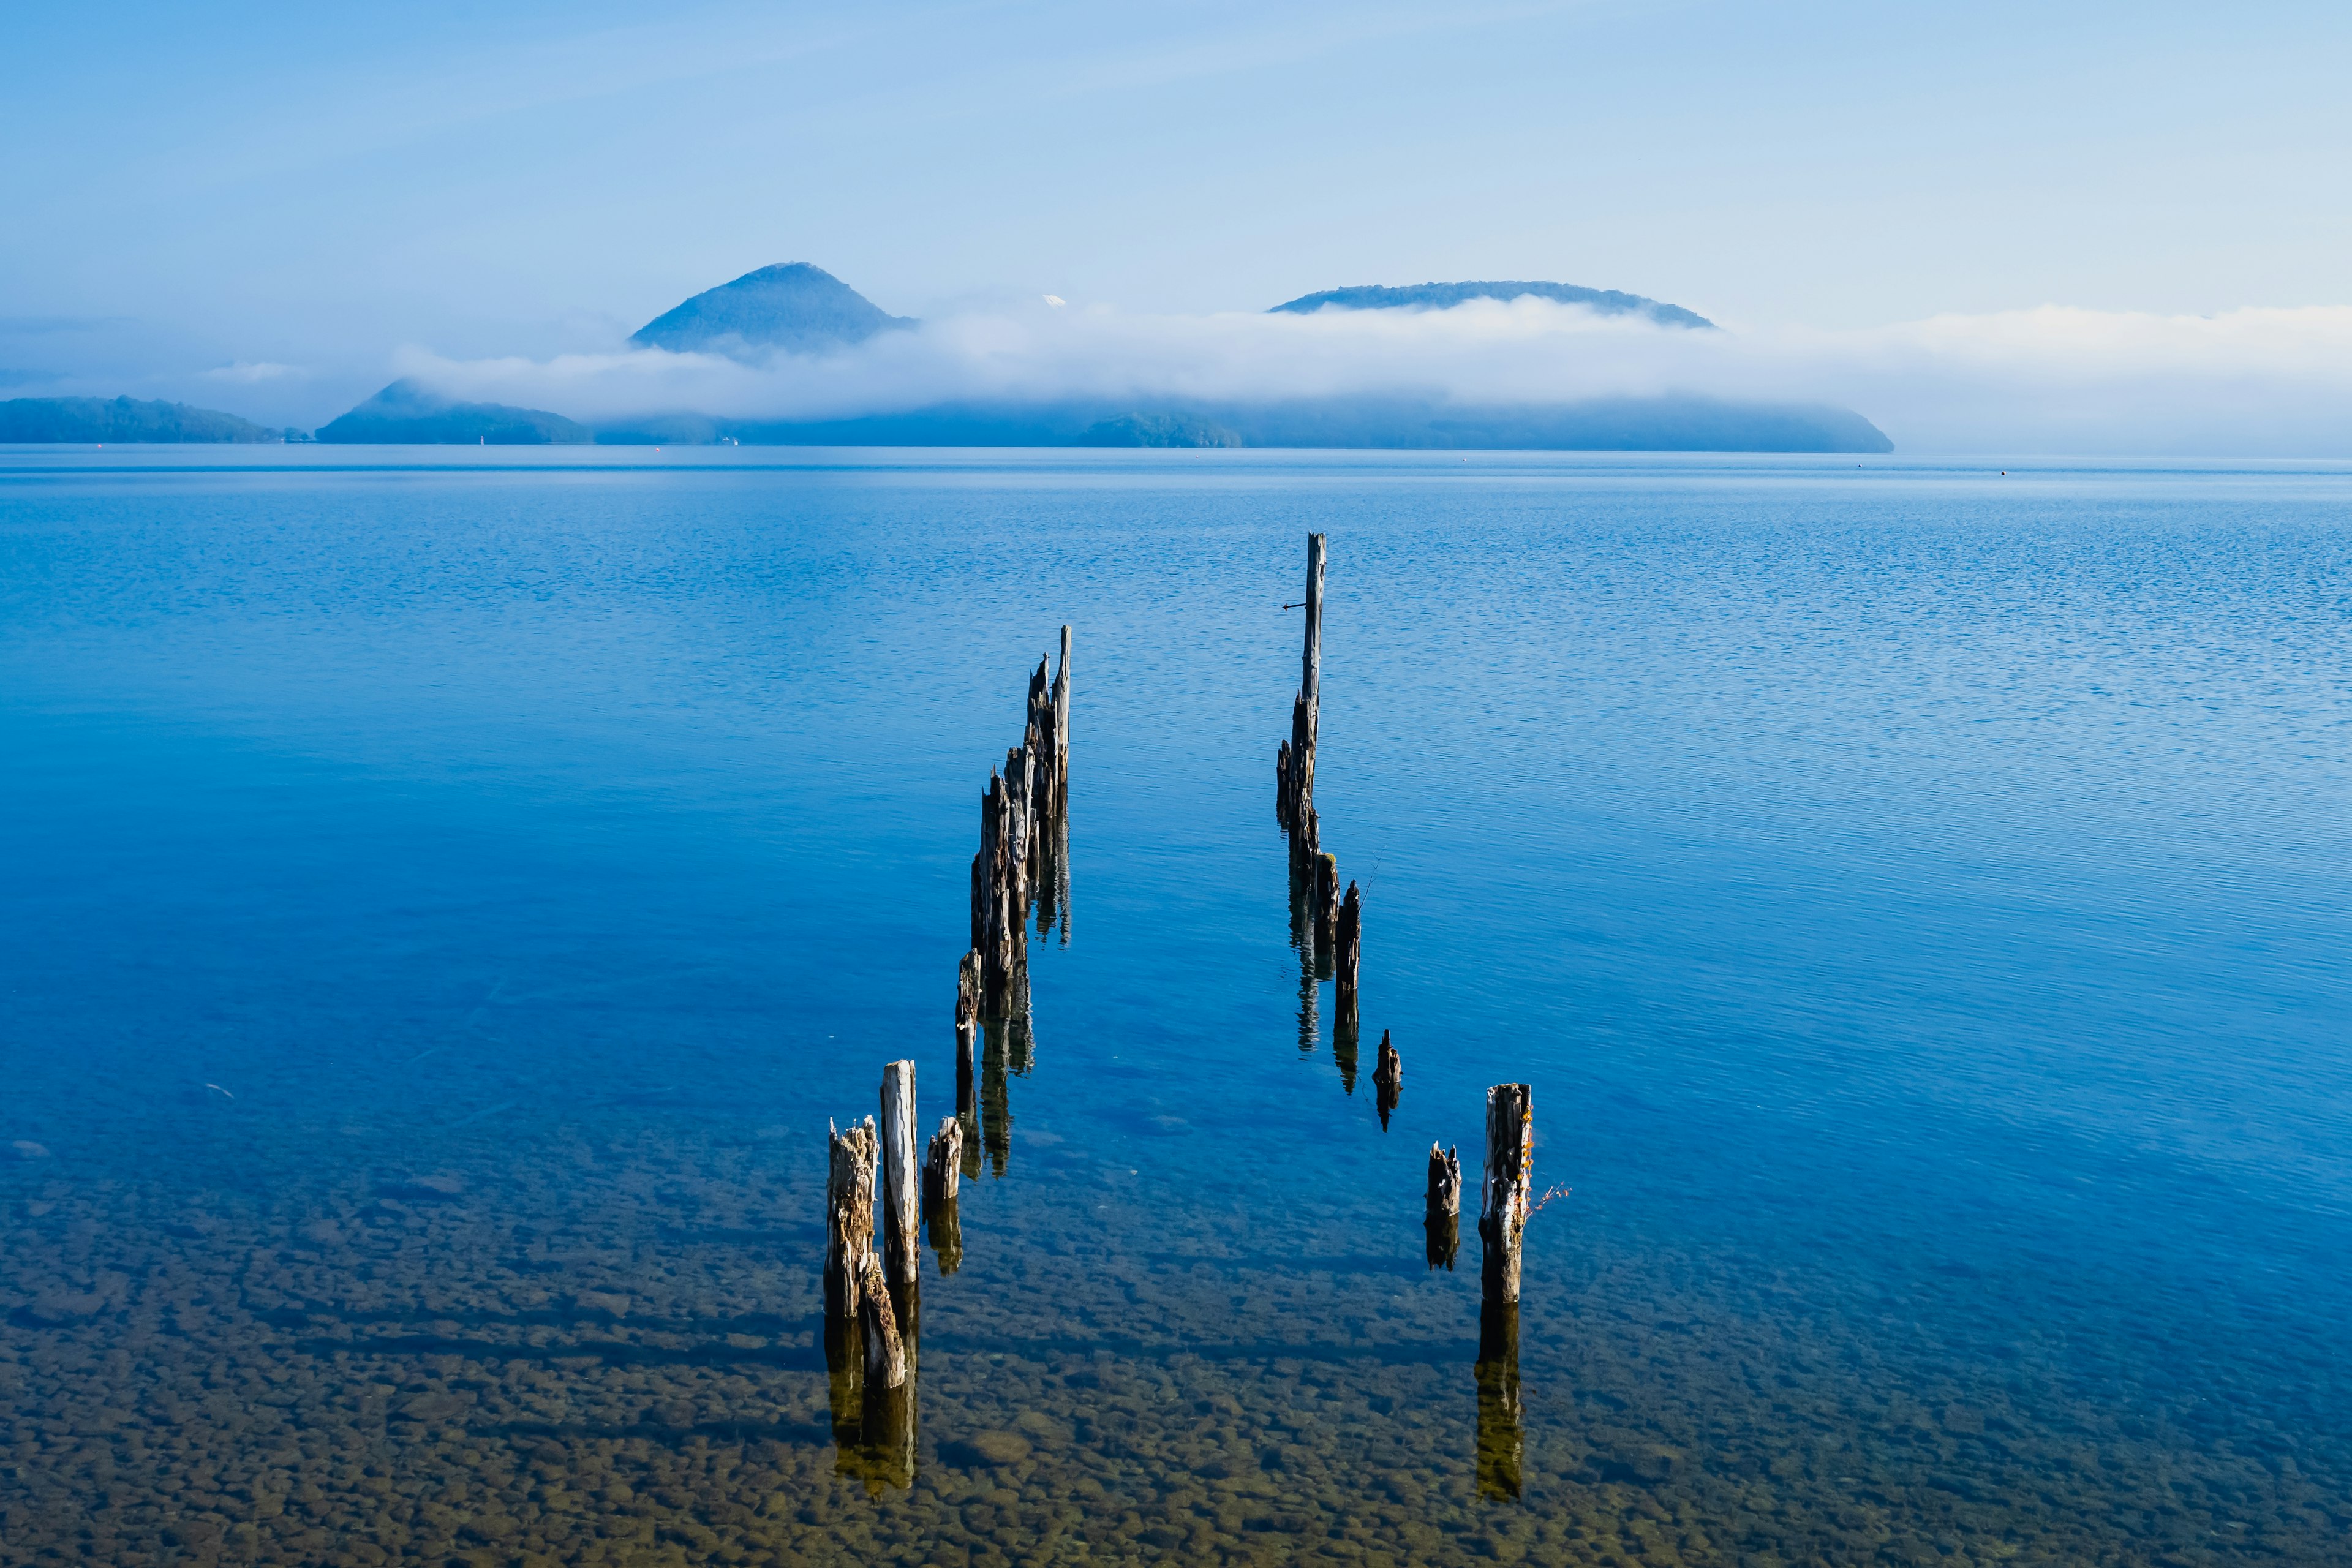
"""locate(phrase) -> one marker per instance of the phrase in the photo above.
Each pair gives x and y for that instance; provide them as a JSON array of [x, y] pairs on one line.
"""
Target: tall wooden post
[[1295, 787], [902, 1207], [1502, 1194]]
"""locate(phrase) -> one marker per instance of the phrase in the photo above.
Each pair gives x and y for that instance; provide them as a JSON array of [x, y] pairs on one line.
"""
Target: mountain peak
[[1442, 296], [793, 306]]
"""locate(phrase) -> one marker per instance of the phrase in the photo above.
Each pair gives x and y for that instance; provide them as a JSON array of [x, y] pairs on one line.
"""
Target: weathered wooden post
[[849, 1217], [942, 1171], [1442, 1221], [1388, 1079], [967, 1024], [887, 1413], [1062, 729], [1295, 778], [1503, 1195], [849, 1247], [1327, 905], [1347, 956], [902, 1210]]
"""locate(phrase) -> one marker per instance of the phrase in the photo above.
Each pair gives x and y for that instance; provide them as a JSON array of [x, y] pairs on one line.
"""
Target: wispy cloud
[[2054, 379]]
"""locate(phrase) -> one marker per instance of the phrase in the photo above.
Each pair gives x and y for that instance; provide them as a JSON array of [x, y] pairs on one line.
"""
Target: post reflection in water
[[874, 1420], [1009, 1048], [1502, 1436], [1442, 1240], [1053, 879], [1310, 1026], [1343, 1052], [946, 1228]]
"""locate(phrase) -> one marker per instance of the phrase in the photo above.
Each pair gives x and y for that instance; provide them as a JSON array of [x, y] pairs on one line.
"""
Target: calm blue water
[[1920, 897]]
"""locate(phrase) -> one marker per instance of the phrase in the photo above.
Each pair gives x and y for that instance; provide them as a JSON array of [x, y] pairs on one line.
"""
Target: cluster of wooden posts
[[873, 1297], [873, 1309], [1328, 928]]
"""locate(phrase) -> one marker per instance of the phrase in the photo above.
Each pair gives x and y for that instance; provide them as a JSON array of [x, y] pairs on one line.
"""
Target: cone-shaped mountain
[[793, 306]]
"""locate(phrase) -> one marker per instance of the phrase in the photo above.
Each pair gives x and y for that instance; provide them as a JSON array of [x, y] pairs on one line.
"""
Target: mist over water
[[2048, 381], [448, 896]]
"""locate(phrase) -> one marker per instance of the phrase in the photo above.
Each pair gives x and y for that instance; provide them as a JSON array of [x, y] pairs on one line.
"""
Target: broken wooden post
[[849, 1217], [1388, 1079], [1295, 780], [849, 1247], [1326, 907], [1502, 1194], [888, 1406], [886, 1353], [942, 1170], [999, 882], [967, 1051], [1442, 1221], [1347, 955], [902, 1196]]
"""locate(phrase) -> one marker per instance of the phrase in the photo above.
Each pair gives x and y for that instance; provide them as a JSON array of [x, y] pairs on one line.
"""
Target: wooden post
[[1503, 1195], [886, 1353], [942, 1170], [1388, 1080], [902, 1197], [1442, 1220], [1297, 764], [943, 1163], [967, 1058], [887, 1416], [849, 1218], [1348, 954], [1327, 905], [1061, 730]]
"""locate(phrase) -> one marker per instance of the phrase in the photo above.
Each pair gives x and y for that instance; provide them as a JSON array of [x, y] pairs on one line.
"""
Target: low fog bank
[[2052, 380], [2048, 381]]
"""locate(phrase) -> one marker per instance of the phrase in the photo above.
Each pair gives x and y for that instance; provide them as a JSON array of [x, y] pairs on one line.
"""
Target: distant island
[[409, 414], [101, 419], [798, 308], [1444, 296], [792, 307]]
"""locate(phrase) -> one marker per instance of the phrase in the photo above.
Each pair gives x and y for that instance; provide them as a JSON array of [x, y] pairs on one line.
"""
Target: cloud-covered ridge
[[2250, 382]]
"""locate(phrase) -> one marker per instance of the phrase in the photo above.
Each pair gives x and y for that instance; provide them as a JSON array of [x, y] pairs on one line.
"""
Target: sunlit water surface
[[443, 897]]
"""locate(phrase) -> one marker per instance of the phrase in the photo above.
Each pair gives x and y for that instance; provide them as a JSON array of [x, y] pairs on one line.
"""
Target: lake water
[[443, 899]]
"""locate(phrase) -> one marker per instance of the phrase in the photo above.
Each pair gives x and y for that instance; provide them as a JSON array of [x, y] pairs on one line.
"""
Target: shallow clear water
[[445, 898]]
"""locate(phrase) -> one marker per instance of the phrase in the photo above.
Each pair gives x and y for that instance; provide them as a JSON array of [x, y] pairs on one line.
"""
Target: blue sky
[[315, 187]]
